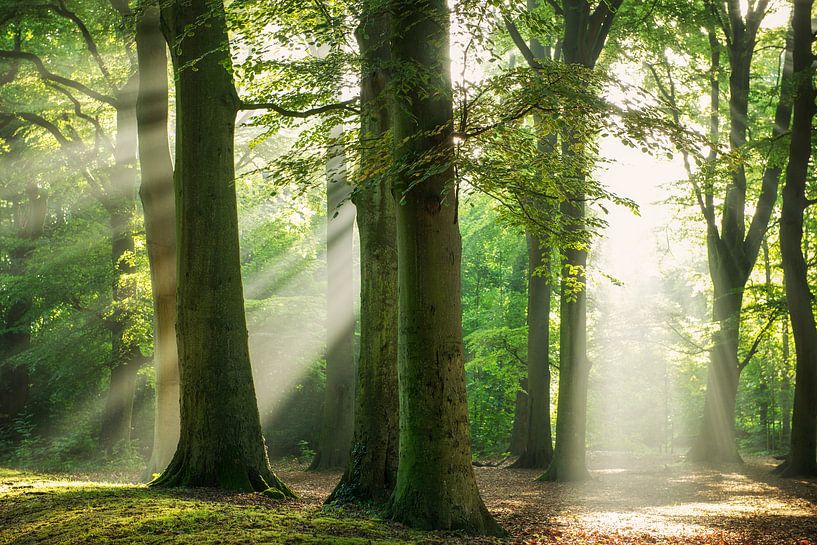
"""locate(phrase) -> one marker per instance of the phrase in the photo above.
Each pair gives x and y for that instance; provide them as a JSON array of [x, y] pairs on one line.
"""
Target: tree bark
[[785, 389], [733, 251], [159, 207], [220, 442], [120, 203], [585, 34], [372, 469], [29, 221], [436, 487], [803, 454], [538, 452], [339, 399]]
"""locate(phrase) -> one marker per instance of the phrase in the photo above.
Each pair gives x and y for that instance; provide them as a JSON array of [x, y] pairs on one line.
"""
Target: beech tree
[[435, 485], [372, 468], [803, 455], [220, 437], [733, 246]]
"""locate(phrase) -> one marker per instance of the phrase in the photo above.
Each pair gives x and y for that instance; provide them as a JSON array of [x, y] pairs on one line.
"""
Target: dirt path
[[639, 501]]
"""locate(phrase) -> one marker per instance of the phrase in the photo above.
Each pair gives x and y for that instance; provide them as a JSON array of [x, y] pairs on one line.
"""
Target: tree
[[538, 443], [220, 441], [435, 487], [339, 398], [803, 455], [372, 469], [159, 207], [585, 33], [733, 249]]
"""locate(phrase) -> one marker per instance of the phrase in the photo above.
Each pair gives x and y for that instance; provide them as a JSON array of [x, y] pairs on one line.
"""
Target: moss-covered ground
[[59, 509], [630, 501]]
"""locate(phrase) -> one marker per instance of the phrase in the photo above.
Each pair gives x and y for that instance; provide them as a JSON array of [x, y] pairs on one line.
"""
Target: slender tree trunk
[[538, 451], [785, 389], [803, 455], [120, 203], [220, 442], [519, 432], [585, 34], [159, 207], [16, 338], [435, 486], [372, 469], [339, 399]]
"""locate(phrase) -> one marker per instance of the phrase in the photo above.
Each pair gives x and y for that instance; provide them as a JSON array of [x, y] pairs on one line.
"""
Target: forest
[[356, 272]]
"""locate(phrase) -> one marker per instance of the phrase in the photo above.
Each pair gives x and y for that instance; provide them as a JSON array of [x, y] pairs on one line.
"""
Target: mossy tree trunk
[[220, 442], [158, 203], [372, 468], [339, 398], [803, 454], [436, 487]]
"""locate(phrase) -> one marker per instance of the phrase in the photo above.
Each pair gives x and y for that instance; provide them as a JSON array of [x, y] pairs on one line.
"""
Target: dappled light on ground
[[645, 501]]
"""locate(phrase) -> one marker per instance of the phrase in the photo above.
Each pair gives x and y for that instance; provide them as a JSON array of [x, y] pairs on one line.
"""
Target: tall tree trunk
[[733, 250], [803, 455], [339, 399], [16, 336], [220, 442], [785, 389], [372, 469], [521, 416], [585, 34], [120, 203], [436, 487], [159, 207], [538, 451]]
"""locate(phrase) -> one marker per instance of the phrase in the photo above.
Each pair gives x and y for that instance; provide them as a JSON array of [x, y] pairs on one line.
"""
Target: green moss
[[60, 510], [274, 493]]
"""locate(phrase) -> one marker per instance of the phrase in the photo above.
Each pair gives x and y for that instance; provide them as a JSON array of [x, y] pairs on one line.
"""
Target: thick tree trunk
[[159, 207], [538, 451], [435, 486], [220, 442], [372, 469], [339, 399], [803, 455]]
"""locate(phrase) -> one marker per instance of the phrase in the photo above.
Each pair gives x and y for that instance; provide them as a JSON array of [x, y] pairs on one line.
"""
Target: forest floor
[[629, 501]]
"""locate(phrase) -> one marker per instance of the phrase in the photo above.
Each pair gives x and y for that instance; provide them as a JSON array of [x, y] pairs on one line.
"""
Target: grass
[[58, 509]]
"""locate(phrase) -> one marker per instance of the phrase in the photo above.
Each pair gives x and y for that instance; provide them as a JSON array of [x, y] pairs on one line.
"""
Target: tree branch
[[61, 9], [756, 344], [523, 48], [345, 105], [50, 76]]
